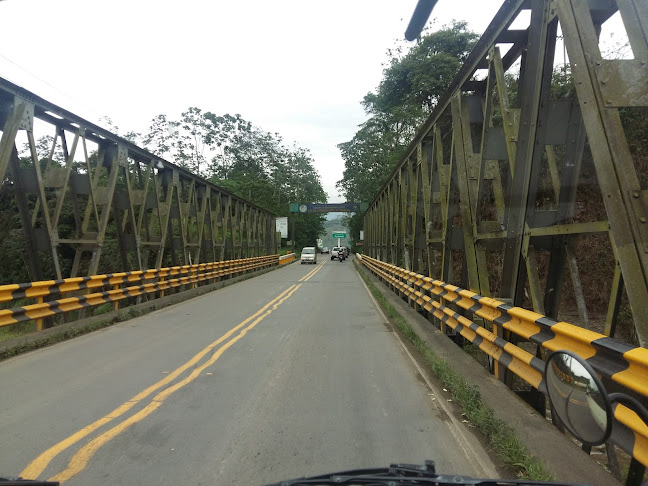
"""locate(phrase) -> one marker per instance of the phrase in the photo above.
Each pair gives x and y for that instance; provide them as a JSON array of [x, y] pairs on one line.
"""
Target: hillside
[[329, 227]]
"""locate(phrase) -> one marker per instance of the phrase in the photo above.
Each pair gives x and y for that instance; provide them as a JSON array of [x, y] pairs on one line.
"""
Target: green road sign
[[339, 235]]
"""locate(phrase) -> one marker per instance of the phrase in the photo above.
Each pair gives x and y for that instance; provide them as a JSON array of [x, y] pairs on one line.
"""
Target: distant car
[[309, 255], [325, 250], [334, 252], [346, 250]]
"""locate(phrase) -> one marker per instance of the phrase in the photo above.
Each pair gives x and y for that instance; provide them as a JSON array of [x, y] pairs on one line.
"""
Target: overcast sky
[[299, 68]]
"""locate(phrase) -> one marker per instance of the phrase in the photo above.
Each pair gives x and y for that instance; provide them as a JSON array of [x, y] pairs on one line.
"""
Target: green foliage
[[183, 141], [238, 156], [242, 158], [230, 151], [159, 138], [308, 227], [15, 266], [355, 223], [368, 159], [413, 81], [634, 121], [562, 85]]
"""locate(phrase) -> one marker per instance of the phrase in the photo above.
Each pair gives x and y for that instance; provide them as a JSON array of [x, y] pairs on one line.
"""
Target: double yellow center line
[[81, 458], [311, 273]]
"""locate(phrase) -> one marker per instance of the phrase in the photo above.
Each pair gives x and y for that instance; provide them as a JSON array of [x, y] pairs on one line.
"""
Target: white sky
[[299, 68]]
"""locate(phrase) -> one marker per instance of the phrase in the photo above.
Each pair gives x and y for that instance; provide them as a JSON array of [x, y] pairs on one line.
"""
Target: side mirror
[[578, 397]]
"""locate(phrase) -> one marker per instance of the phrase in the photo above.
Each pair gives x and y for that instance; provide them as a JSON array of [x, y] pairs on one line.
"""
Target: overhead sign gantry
[[345, 207]]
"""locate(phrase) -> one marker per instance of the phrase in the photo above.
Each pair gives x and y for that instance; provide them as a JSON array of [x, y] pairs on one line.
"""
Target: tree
[[368, 158], [257, 166], [191, 139], [413, 81], [228, 131], [245, 160], [160, 137]]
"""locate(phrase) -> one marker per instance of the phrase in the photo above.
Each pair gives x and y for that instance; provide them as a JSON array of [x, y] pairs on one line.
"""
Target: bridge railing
[[52, 296], [284, 259], [450, 307]]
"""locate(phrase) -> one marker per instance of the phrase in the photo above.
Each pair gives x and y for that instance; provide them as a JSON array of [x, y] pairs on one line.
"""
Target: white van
[[309, 255]]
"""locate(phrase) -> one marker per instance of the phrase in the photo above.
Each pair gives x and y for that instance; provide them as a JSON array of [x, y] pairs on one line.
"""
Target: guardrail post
[[39, 322], [501, 372], [115, 302]]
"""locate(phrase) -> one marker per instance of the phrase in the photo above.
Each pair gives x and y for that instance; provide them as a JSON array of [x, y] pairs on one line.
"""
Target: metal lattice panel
[[501, 194], [118, 194]]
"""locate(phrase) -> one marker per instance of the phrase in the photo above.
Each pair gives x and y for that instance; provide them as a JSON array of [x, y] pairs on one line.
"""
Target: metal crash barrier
[[121, 286], [626, 365], [284, 259]]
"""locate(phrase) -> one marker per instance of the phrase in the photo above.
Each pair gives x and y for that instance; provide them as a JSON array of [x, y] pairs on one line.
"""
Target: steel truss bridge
[[505, 194], [152, 211], [508, 190]]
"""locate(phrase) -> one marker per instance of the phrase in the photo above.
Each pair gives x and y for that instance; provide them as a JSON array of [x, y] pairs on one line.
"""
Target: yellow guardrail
[[122, 285], [290, 257], [623, 363]]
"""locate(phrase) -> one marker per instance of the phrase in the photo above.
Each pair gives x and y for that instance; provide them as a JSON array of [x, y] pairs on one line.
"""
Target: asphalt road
[[287, 374]]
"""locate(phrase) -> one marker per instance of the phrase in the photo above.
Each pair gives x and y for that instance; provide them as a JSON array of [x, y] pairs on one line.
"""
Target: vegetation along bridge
[[516, 220]]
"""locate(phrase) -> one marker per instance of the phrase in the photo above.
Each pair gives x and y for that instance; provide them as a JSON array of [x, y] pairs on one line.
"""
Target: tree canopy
[[414, 78], [234, 154]]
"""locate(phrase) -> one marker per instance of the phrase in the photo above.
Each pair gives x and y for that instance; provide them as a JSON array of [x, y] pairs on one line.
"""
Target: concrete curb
[[560, 456], [62, 332]]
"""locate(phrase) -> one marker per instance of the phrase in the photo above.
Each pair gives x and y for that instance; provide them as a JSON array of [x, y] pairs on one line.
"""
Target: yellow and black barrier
[[284, 259], [122, 285], [623, 363]]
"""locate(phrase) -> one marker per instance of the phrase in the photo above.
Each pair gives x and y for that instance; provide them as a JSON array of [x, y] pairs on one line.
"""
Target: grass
[[15, 330], [48, 341], [477, 354], [501, 436]]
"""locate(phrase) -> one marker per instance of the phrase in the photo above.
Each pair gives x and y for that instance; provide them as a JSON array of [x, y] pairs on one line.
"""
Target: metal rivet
[[642, 219], [635, 194]]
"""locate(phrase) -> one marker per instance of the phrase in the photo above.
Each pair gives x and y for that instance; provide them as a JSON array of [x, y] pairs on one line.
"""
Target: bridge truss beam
[[504, 190], [97, 195]]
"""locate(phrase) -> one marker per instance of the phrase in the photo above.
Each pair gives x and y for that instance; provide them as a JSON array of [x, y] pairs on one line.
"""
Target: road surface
[[287, 374]]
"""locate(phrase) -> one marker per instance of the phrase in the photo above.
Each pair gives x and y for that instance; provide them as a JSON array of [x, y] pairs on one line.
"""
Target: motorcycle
[[340, 255], [576, 394]]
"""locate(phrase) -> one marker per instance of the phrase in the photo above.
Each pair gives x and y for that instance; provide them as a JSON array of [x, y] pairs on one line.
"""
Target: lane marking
[[488, 468], [311, 273], [38, 465], [314, 272], [80, 460]]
